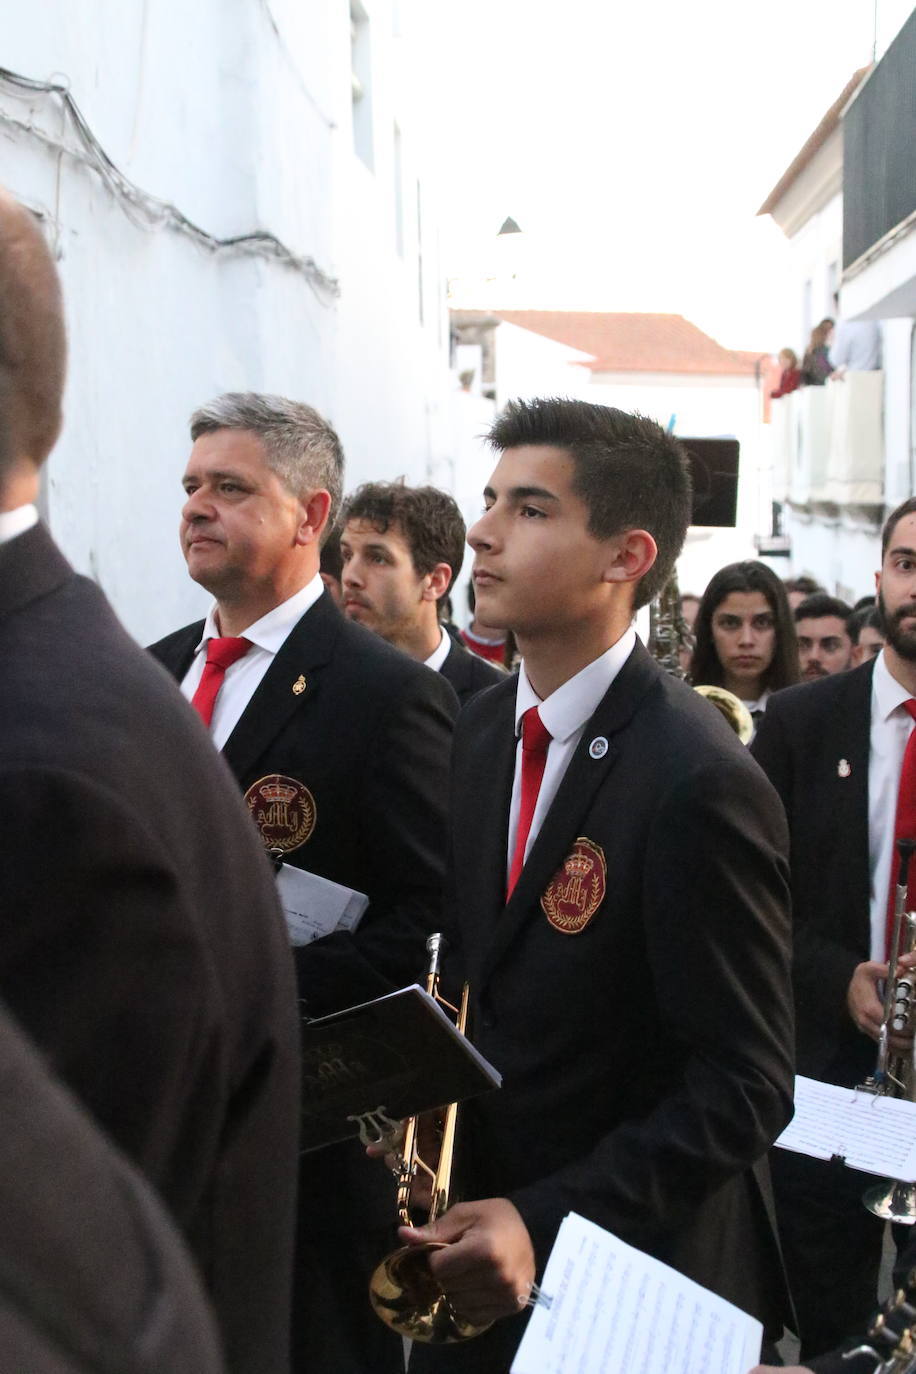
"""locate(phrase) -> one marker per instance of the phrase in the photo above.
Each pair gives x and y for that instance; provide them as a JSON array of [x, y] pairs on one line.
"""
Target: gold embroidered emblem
[[299, 686], [283, 810], [577, 889]]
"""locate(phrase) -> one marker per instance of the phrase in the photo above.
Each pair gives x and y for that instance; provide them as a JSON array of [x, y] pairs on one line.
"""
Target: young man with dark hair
[[617, 901], [824, 645], [835, 750], [401, 548]]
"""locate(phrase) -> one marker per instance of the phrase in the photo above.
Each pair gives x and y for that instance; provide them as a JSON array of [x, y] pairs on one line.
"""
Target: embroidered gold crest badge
[[283, 810], [577, 889]]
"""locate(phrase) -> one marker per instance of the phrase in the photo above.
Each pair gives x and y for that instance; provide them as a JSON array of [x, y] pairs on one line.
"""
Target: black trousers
[[832, 1247]]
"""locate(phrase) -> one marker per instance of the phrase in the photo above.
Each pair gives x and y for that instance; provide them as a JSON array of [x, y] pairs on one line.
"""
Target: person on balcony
[[790, 378], [856, 347], [816, 365]]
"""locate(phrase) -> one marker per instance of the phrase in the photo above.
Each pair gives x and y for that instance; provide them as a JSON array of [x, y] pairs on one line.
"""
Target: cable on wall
[[148, 211]]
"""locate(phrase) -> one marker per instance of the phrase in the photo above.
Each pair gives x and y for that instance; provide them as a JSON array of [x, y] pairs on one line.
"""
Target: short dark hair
[[806, 584], [705, 668], [866, 617], [629, 472], [429, 520], [907, 507], [821, 604]]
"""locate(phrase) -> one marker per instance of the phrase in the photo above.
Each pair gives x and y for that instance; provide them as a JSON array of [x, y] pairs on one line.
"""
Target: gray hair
[[299, 444]]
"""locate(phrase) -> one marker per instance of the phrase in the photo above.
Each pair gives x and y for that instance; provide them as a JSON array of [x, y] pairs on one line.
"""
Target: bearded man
[[838, 752]]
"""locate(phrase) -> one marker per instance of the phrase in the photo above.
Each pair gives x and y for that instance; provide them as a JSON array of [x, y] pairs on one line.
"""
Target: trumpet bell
[[732, 708], [893, 1201], [407, 1298]]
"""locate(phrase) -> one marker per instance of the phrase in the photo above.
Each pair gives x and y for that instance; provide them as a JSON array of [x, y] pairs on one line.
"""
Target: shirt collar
[[440, 653], [887, 693], [568, 708], [272, 630], [15, 522]]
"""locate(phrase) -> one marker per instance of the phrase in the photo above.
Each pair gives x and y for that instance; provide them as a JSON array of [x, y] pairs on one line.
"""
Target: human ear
[[633, 554], [437, 582], [316, 508]]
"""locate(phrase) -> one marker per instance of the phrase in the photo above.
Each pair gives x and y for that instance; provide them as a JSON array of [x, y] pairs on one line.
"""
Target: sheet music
[[315, 906], [614, 1310], [876, 1134]]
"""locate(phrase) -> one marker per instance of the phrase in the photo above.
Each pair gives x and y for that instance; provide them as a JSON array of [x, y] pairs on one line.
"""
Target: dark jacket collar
[[31, 566]]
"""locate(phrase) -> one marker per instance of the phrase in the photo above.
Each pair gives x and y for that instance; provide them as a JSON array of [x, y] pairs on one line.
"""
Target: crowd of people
[[615, 874], [752, 634]]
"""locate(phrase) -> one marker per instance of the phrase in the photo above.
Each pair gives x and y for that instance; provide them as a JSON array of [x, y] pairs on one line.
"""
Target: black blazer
[[646, 1059], [805, 735], [141, 945], [93, 1275], [468, 673], [369, 736]]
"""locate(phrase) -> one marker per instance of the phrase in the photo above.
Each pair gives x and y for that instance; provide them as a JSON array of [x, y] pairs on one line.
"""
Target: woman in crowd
[[745, 635], [790, 379], [816, 365]]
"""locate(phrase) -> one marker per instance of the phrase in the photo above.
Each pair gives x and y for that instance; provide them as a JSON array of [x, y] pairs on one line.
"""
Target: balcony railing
[[828, 443]]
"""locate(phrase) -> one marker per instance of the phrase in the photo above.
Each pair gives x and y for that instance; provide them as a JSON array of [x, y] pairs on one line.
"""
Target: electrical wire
[[145, 210]]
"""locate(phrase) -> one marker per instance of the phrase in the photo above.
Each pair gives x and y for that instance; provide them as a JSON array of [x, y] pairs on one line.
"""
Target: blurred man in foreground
[[141, 944]]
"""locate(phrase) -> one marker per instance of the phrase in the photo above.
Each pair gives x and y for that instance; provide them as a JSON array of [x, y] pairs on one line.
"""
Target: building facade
[[844, 454], [238, 199]]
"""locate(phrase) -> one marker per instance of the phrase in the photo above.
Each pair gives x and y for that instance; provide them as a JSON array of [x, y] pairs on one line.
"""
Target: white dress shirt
[[440, 653], [243, 678], [890, 729], [565, 714], [15, 522]]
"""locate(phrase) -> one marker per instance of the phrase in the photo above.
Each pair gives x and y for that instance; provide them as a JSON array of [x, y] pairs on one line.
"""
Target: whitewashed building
[[845, 454], [238, 198]]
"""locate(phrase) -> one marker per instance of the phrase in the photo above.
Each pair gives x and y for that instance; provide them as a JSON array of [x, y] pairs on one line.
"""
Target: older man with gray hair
[[340, 745]]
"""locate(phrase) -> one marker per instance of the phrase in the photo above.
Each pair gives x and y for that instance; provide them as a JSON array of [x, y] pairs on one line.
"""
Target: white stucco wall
[[241, 117]]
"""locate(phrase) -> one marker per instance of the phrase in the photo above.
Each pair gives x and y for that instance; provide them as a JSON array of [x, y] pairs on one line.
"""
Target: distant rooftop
[[813, 145], [633, 342]]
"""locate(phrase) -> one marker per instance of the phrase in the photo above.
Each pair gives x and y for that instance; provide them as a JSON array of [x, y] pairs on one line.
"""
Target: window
[[361, 83]]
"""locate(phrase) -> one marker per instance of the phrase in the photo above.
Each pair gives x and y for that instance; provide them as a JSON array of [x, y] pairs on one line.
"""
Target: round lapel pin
[[598, 747]]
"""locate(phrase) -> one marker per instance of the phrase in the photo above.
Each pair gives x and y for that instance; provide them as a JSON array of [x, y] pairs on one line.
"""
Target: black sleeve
[[402, 818], [716, 915]]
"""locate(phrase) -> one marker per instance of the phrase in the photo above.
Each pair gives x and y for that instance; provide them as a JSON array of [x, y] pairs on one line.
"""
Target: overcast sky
[[635, 141]]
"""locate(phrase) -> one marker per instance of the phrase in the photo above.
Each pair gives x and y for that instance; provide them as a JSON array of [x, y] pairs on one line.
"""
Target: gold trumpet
[[895, 1074], [402, 1290], [732, 708]]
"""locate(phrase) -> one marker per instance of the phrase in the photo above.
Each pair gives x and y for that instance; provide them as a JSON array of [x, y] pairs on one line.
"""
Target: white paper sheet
[[614, 1310], [876, 1134], [315, 906]]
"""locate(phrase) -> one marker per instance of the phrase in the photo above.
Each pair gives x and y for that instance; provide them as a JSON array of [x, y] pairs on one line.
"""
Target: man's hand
[[487, 1267], [865, 1006], [427, 1144]]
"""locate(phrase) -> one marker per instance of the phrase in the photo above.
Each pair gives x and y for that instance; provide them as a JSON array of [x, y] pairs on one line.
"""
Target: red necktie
[[535, 741], [221, 654], [904, 825]]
